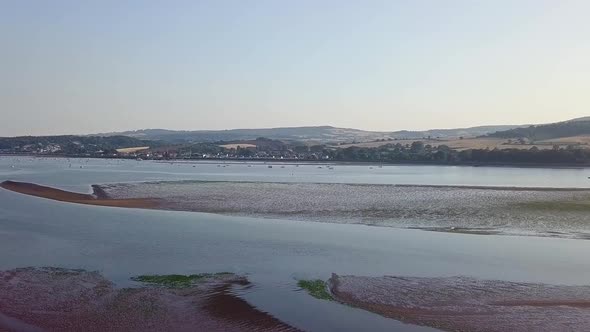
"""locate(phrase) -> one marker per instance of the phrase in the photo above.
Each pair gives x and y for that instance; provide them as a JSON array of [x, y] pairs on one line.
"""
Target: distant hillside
[[319, 134], [451, 133], [576, 127], [322, 133], [69, 144], [586, 118]]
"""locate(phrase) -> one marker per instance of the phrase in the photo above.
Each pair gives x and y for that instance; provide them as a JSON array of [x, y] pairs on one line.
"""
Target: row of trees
[[418, 152]]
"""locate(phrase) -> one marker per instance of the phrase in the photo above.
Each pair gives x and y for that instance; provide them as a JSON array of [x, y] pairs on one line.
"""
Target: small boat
[[269, 166]]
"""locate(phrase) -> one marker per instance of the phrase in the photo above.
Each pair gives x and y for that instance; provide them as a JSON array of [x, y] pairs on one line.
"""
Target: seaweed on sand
[[316, 288], [177, 280]]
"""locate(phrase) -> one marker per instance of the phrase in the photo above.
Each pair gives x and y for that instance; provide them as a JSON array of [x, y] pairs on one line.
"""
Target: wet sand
[[99, 198], [33, 299], [548, 212], [468, 304]]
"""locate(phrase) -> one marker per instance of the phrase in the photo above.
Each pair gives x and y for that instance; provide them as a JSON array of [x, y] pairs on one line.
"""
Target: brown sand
[[468, 304], [66, 196], [56, 299]]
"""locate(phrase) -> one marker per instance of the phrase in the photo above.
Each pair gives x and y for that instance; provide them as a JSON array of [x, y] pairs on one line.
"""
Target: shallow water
[[273, 254], [74, 173]]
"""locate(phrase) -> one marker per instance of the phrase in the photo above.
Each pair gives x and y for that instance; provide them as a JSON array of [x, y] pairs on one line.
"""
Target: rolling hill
[[321, 134], [571, 128]]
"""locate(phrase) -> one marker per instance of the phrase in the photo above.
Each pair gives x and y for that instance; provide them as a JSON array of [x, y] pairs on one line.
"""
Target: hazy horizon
[[82, 68], [278, 127], [329, 125]]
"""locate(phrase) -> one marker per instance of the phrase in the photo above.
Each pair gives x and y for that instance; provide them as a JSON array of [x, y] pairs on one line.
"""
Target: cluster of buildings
[[250, 153], [33, 149]]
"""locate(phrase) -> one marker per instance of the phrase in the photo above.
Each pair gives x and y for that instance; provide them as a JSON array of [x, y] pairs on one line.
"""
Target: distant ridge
[[310, 133], [570, 128], [586, 118]]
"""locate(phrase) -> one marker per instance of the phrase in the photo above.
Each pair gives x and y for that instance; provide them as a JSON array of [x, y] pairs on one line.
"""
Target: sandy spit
[[66, 196]]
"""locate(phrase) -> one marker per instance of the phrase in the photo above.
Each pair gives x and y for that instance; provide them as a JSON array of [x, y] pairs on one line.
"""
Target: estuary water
[[272, 253]]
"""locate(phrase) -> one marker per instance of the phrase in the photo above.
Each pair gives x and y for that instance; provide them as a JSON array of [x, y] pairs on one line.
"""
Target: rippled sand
[[479, 210], [474, 210], [54, 299], [467, 304]]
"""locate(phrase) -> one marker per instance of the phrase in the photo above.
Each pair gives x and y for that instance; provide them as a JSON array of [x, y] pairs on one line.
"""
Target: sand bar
[[468, 304], [67, 196], [549, 212]]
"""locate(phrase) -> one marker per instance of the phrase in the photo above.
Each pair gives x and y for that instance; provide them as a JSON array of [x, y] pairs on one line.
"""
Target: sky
[[75, 67]]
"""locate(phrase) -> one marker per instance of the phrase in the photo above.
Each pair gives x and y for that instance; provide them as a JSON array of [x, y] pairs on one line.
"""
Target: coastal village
[[564, 143], [257, 149]]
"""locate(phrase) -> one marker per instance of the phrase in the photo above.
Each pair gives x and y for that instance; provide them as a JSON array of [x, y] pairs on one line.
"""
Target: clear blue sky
[[95, 66]]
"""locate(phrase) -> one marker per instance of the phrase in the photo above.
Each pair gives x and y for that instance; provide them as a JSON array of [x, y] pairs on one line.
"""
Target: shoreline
[[332, 162]]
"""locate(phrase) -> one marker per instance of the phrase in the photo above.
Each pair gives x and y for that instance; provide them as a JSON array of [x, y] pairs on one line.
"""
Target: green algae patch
[[177, 280], [316, 288]]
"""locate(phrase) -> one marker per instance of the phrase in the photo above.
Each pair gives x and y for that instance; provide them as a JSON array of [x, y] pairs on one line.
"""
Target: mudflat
[[550, 212], [468, 304], [56, 299]]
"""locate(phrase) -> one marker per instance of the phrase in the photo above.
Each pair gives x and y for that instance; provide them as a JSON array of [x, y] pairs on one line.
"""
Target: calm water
[[58, 172], [272, 253]]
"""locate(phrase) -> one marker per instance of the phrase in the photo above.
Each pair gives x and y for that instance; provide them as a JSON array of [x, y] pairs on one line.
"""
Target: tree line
[[420, 153]]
